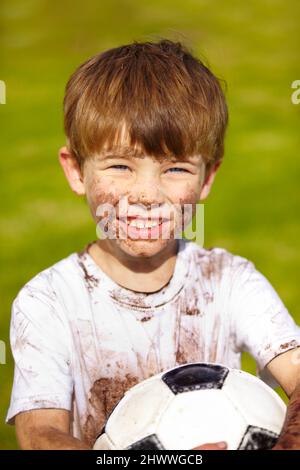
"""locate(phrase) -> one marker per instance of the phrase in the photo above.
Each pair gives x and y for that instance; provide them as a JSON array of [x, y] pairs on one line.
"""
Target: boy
[[145, 126]]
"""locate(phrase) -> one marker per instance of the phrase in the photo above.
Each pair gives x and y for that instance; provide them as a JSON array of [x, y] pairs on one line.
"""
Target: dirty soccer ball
[[194, 404]]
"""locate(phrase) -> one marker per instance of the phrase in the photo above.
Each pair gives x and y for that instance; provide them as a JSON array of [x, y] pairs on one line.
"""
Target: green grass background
[[253, 210]]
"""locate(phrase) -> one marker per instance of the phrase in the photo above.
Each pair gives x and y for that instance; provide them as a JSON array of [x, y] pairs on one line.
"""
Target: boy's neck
[[135, 273]]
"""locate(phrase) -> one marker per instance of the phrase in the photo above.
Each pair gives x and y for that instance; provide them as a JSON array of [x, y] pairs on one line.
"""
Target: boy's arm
[[46, 429], [285, 369]]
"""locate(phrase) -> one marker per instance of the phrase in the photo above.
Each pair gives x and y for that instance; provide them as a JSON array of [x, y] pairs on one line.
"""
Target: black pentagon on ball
[[196, 376], [150, 442], [256, 438]]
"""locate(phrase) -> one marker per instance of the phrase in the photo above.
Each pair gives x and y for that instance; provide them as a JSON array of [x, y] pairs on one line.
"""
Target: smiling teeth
[[139, 224]]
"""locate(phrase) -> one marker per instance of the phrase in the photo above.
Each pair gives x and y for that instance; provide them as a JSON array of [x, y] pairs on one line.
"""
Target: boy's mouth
[[141, 222], [137, 227]]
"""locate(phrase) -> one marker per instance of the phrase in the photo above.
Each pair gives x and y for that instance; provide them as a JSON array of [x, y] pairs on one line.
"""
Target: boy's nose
[[147, 193]]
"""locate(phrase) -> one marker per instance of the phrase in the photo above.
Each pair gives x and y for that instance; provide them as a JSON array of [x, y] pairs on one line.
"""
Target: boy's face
[[119, 188]]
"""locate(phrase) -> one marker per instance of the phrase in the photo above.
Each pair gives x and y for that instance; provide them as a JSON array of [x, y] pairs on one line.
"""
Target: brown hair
[[168, 100]]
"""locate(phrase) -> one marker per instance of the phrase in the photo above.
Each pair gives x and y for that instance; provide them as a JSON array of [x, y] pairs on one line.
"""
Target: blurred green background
[[253, 210]]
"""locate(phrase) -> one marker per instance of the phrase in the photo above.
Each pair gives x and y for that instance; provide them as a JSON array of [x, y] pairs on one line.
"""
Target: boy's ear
[[209, 179], [71, 170]]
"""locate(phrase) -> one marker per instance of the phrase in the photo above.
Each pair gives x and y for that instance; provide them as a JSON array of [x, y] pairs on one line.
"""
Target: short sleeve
[[41, 350], [263, 325]]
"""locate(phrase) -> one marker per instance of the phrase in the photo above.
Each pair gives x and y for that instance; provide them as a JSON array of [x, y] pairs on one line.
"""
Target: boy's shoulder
[[47, 281], [217, 260]]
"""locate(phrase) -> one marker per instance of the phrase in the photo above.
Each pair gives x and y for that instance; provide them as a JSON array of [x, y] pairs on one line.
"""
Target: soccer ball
[[194, 404]]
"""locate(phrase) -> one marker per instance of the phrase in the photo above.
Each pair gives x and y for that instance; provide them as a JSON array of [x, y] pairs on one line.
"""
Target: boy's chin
[[143, 247]]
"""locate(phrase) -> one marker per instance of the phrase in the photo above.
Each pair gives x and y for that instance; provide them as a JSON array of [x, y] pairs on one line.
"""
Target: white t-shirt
[[80, 340]]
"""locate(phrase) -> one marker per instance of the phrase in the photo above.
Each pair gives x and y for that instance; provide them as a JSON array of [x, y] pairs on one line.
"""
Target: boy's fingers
[[212, 446]]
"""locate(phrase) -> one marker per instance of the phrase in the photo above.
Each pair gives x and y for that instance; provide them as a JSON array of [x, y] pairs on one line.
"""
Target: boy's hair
[[168, 101]]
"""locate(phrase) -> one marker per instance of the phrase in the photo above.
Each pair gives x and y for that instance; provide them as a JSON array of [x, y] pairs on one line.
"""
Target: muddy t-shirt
[[80, 340]]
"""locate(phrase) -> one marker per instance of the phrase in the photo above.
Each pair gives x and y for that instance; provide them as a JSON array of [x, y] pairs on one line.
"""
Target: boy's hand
[[212, 446]]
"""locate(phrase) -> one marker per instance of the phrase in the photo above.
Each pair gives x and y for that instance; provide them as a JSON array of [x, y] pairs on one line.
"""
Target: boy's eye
[[177, 168], [119, 166]]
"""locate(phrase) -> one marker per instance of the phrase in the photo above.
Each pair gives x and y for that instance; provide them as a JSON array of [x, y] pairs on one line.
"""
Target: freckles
[[184, 194], [189, 198], [188, 203], [103, 191], [188, 195]]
